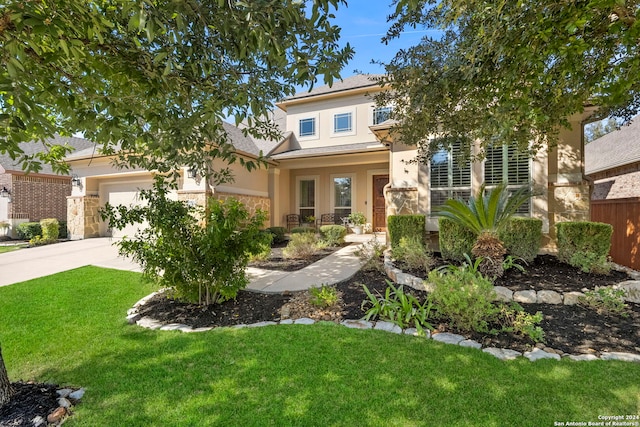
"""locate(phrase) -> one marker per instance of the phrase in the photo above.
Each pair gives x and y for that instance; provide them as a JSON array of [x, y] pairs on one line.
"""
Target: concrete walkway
[[31, 263]]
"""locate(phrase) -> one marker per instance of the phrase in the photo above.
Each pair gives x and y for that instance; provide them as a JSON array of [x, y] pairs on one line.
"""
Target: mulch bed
[[277, 261], [29, 402]]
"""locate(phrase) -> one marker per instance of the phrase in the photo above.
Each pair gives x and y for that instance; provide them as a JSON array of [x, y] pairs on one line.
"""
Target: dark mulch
[[277, 261], [30, 401], [570, 329]]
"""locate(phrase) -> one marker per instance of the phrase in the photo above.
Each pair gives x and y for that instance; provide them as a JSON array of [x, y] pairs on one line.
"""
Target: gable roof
[[349, 83], [618, 148], [34, 147]]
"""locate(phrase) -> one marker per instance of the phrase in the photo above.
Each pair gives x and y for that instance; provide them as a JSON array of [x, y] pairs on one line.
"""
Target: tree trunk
[[6, 391]]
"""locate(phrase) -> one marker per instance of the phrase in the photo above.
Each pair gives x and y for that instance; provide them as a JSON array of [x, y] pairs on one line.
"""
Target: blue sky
[[363, 24]]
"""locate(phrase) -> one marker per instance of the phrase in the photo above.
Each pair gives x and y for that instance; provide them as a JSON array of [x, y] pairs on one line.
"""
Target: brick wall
[[37, 197]]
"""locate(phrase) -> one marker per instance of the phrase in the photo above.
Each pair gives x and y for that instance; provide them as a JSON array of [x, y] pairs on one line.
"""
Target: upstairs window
[[308, 127], [449, 179], [342, 123], [504, 164], [381, 114]]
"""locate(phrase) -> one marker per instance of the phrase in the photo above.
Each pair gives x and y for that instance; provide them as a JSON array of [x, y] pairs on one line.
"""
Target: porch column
[[83, 218]]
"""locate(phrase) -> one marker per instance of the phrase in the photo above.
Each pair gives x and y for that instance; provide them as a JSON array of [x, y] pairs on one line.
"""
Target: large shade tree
[[511, 71], [152, 80]]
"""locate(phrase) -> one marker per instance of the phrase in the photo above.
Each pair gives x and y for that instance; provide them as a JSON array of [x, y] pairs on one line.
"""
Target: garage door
[[126, 194]]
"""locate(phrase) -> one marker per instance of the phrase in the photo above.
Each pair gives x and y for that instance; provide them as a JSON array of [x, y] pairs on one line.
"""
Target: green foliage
[[486, 211], [140, 74], [598, 129], [607, 301], [510, 71], [63, 233], [400, 226], [302, 246], [323, 296], [201, 254], [398, 307], [357, 218], [454, 239], [370, 255], [521, 237], [464, 297], [29, 230], [585, 245], [414, 254], [516, 320], [512, 262], [306, 230], [50, 229], [278, 234], [265, 248], [333, 235]]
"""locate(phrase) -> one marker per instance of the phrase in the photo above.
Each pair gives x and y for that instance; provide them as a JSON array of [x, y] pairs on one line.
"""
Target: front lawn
[[11, 248], [70, 329]]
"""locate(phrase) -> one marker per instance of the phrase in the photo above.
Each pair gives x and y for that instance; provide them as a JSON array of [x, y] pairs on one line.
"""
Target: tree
[[153, 79], [5, 386], [600, 128], [510, 71]]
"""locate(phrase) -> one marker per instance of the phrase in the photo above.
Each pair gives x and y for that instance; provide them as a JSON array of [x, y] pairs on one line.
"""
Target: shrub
[[521, 237], [605, 301], [465, 297], [454, 239], [414, 254], [50, 229], [299, 230], [265, 248], [29, 230], [323, 296], [301, 246], [398, 307], [278, 234], [585, 245], [518, 321], [204, 263], [63, 232], [333, 235], [400, 226], [370, 255], [357, 218]]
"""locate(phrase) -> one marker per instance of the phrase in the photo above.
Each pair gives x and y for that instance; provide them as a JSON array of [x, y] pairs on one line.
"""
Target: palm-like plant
[[486, 214]]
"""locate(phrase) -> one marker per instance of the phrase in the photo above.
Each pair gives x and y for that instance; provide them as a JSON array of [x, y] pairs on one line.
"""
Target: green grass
[[4, 249], [70, 329]]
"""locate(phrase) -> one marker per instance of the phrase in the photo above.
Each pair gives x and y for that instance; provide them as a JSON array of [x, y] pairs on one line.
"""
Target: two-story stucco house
[[337, 156]]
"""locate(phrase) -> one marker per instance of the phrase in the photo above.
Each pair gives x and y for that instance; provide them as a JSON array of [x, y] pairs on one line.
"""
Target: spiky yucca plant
[[486, 214]]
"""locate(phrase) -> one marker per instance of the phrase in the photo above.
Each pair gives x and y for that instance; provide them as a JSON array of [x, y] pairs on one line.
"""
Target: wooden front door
[[379, 208]]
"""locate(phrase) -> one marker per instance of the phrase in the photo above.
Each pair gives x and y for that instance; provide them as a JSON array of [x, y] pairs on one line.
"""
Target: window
[[342, 123], [505, 165], [342, 196], [307, 197], [381, 114], [308, 127], [449, 178]]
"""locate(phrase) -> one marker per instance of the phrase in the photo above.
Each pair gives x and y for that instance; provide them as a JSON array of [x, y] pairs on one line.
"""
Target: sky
[[363, 24]]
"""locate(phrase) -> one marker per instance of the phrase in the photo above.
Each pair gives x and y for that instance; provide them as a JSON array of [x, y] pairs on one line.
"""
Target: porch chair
[[326, 219], [293, 220]]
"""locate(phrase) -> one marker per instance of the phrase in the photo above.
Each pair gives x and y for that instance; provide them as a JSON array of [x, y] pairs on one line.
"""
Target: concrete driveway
[[31, 263]]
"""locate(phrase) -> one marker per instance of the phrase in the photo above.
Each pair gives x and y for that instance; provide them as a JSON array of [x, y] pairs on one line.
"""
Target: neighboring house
[[34, 196], [337, 156], [613, 163]]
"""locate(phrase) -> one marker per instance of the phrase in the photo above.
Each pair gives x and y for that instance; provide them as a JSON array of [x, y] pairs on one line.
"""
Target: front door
[[379, 207]]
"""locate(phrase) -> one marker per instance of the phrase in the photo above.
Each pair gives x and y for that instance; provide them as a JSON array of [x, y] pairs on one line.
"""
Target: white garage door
[[126, 194]]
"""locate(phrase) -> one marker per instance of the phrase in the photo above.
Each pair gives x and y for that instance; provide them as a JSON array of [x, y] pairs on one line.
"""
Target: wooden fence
[[624, 216]]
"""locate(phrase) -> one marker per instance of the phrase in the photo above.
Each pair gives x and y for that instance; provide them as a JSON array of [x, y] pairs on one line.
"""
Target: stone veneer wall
[[252, 203], [197, 197], [83, 219], [401, 201]]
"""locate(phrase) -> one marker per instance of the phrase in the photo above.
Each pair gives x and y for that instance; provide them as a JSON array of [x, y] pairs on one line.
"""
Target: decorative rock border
[[631, 287], [133, 317], [67, 398]]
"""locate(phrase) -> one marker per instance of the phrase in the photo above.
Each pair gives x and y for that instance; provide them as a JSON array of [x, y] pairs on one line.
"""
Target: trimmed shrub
[[455, 240], [50, 229], [414, 254], [333, 235], [63, 232], [301, 246], [278, 234], [400, 226], [298, 230], [585, 245], [29, 230], [521, 237]]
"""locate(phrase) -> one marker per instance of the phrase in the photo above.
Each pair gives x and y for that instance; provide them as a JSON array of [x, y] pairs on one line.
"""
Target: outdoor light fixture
[[5, 193], [192, 173], [75, 181]]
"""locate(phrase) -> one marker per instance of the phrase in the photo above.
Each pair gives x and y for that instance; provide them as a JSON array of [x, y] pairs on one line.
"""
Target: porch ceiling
[[358, 154]]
